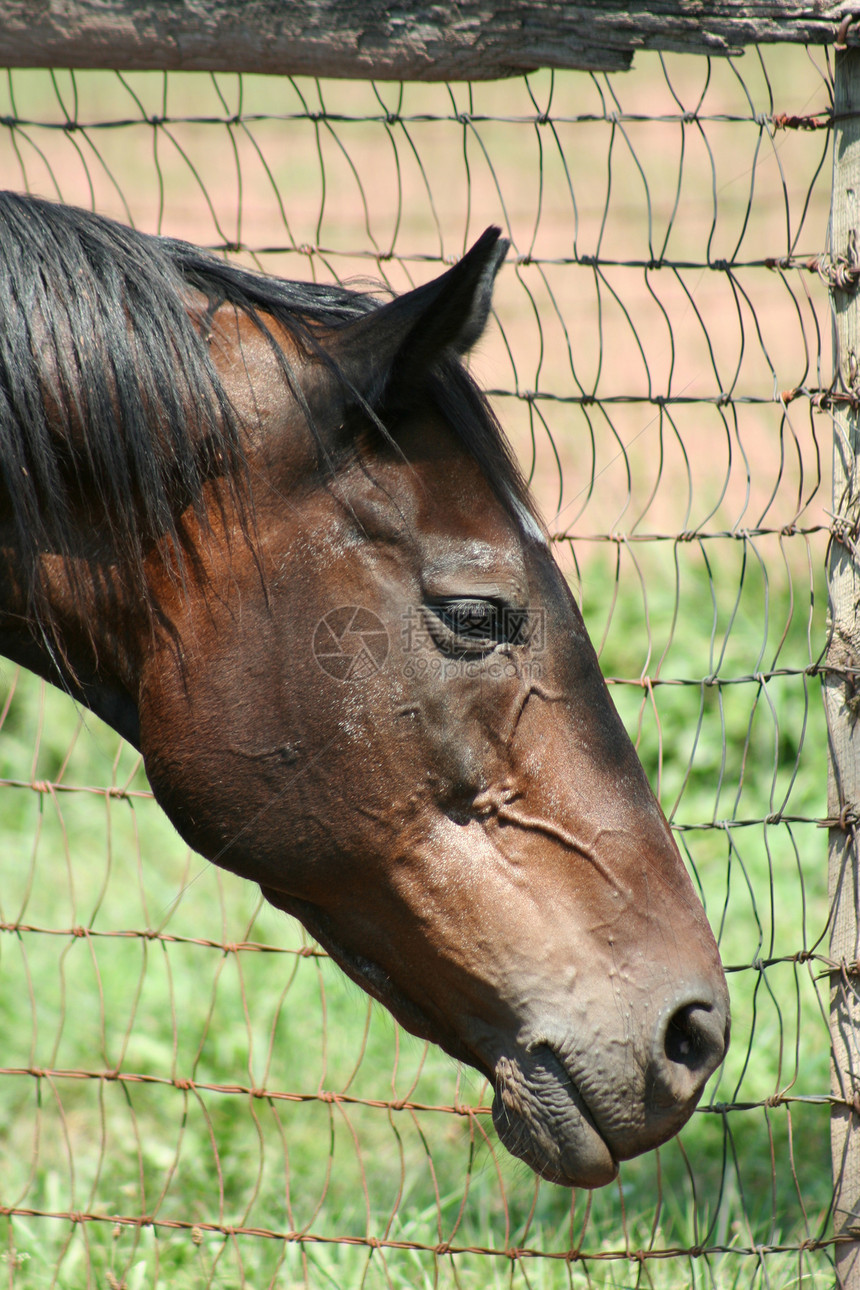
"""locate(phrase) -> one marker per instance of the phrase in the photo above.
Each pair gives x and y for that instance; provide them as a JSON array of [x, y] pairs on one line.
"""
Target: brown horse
[[272, 533]]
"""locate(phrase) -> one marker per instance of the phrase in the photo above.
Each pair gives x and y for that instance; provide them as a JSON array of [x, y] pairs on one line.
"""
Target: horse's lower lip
[[541, 1116]]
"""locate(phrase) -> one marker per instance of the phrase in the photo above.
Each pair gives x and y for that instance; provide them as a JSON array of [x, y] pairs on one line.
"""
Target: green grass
[[179, 1011]]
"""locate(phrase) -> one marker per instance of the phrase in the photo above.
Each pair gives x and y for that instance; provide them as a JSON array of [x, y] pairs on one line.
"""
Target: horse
[[272, 533]]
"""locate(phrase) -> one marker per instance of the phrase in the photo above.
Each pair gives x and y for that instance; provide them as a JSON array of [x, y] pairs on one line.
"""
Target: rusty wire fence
[[190, 1093]]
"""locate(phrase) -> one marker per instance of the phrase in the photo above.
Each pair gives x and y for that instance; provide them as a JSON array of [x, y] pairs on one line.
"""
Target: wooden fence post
[[841, 689]]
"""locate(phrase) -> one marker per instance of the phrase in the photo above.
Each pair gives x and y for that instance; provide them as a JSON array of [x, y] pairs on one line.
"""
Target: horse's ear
[[386, 355]]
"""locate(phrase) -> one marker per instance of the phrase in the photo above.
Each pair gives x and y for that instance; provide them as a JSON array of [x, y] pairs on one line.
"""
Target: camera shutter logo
[[350, 643]]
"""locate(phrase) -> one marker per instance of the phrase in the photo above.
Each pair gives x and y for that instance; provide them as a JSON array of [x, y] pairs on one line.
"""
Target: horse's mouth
[[541, 1117]]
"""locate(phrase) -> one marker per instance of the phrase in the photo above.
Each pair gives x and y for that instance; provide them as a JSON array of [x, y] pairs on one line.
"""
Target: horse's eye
[[473, 625], [472, 620]]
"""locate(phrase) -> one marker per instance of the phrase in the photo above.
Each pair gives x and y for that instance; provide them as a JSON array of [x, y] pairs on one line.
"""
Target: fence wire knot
[[842, 33], [841, 272], [793, 121], [847, 818]]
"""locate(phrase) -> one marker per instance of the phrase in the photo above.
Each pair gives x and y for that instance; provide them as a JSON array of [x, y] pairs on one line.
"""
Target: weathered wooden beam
[[429, 41], [841, 694]]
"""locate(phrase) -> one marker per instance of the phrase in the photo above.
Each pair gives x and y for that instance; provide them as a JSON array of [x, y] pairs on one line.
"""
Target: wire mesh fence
[[190, 1092]]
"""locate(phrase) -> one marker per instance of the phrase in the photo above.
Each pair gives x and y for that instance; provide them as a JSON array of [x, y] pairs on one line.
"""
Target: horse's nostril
[[696, 1038]]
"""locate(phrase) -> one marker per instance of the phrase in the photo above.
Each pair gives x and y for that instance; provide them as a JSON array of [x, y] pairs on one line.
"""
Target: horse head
[[365, 685]]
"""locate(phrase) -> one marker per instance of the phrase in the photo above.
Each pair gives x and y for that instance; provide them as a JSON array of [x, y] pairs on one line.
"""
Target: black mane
[[107, 390]]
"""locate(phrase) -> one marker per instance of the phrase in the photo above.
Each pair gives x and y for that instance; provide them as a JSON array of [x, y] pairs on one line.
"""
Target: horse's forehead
[[443, 501]]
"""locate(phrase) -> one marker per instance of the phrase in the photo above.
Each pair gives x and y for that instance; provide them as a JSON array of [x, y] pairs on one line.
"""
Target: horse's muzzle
[[573, 1111]]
